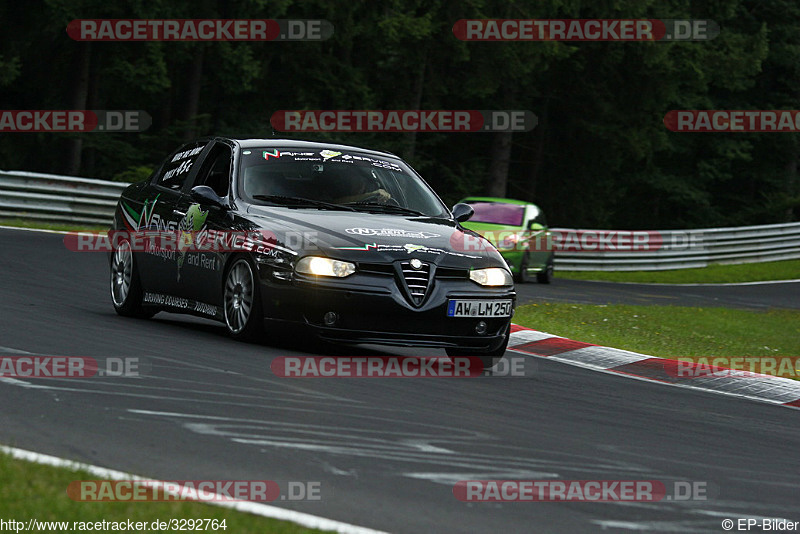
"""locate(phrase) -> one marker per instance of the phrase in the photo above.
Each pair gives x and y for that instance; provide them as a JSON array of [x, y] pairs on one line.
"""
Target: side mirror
[[536, 227], [206, 195], [462, 212]]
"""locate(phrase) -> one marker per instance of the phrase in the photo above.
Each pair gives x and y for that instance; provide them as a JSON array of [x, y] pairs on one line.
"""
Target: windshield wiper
[[375, 206], [302, 202]]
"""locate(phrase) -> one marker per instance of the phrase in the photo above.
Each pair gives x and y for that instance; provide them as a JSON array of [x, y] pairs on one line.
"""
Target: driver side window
[[216, 170], [175, 171]]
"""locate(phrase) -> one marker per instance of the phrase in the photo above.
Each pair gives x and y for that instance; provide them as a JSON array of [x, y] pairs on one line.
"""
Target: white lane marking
[[413, 452], [298, 390], [656, 526], [15, 382], [360, 442], [196, 365], [41, 230], [450, 479], [242, 420], [11, 351], [332, 469], [424, 446], [123, 382], [154, 397], [284, 383], [470, 463], [302, 393], [715, 513], [407, 440], [710, 284], [263, 510]]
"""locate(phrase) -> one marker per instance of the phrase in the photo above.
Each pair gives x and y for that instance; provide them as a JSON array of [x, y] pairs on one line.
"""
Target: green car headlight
[[492, 276], [510, 241], [320, 266]]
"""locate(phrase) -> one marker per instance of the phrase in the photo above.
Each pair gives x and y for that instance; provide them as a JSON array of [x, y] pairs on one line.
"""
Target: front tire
[[488, 358], [522, 276], [126, 289], [546, 276], [242, 301]]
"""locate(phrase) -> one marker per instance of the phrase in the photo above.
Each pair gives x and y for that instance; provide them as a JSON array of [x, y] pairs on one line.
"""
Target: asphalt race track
[[386, 451]]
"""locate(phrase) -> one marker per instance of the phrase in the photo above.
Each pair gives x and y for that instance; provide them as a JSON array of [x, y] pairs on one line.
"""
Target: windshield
[[335, 177], [497, 213]]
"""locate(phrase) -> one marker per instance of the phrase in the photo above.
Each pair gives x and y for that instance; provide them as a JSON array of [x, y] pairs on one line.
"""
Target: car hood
[[378, 238]]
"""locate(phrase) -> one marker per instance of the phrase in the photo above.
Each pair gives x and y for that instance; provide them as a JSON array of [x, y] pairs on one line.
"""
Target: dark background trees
[[600, 156]]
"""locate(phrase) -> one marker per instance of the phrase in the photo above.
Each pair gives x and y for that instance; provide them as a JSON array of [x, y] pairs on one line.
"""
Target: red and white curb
[[764, 388]]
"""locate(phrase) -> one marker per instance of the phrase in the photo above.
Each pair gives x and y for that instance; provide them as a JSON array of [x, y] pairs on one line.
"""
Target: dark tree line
[[599, 157]]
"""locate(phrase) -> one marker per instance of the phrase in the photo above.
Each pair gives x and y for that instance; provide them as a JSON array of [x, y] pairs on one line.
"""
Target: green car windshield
[[497, 213]]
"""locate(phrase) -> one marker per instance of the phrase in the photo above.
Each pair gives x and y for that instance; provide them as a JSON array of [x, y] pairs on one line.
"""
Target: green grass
[[63, 227], [670, 331], [746, 272], [29, 490]]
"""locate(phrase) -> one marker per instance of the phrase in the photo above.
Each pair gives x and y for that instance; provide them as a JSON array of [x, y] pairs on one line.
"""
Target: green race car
[[517, 229]]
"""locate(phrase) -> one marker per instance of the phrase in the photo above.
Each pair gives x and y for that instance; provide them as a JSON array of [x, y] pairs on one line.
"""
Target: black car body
[[394, 265]]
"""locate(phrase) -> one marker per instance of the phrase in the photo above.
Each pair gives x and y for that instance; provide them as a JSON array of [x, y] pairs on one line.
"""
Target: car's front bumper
[[373, 309]]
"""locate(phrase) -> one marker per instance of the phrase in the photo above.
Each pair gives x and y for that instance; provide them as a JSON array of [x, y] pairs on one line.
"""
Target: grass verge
[[746, 272], [33, 491], [670, 331]]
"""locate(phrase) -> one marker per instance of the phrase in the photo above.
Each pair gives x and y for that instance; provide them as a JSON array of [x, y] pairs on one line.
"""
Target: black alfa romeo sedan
[[350, 243]]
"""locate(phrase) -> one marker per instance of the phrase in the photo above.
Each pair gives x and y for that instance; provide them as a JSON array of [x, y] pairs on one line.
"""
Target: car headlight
[[492, 276], [320, 266]]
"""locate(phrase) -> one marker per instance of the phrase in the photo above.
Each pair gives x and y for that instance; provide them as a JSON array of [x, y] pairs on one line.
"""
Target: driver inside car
[[349, 186], [379, 195]]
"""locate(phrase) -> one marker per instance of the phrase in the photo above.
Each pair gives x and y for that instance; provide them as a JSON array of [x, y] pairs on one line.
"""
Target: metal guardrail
[[681, 249], [54, 198]]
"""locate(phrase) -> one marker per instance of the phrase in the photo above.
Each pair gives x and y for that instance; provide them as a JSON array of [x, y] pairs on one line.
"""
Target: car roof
[[299, 144], [496, 200]]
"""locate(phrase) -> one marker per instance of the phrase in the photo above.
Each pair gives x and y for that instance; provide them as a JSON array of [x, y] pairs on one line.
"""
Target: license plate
[[479, 308]]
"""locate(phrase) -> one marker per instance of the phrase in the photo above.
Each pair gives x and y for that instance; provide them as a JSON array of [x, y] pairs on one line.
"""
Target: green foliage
[[600, 156], [9, 70], [133, 174]]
